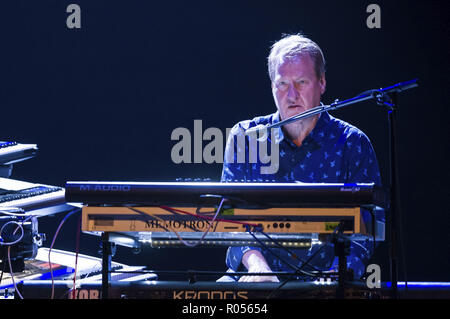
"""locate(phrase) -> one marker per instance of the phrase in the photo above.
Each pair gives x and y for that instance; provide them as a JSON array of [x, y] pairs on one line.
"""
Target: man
[[316, 149]]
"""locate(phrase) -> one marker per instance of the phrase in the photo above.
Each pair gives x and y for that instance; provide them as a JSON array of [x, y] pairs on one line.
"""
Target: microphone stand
[[385, 97]]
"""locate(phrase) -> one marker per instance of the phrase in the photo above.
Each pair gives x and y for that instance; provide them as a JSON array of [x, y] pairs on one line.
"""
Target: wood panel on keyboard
[[279, 220]]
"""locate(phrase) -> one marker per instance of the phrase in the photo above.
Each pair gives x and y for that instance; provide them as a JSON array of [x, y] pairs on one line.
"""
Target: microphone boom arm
[[379, 95]]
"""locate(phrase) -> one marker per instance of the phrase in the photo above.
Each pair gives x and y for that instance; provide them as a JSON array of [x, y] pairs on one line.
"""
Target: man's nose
[[292, 93]]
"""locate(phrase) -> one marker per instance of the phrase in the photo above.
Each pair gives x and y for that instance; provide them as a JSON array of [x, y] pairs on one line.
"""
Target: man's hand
[[255, 262]]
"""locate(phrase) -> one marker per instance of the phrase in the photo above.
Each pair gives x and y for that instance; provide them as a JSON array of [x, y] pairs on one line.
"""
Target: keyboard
[[242, 195], [13, 152], [36, 199]]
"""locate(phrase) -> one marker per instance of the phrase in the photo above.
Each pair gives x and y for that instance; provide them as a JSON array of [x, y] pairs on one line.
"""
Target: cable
[[278, 257], [304, 264], [296, 272], [167, 229], [248, 226], [12, 274], [17, 240], [18, 226], [77, 249], [209, 226], [9, 253], [288, 250], [51, 247], [156, 217], [177, 234], [209, 218], [2, 258]]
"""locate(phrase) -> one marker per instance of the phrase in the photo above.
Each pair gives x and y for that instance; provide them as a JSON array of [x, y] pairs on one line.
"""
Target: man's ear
[[323, 84]]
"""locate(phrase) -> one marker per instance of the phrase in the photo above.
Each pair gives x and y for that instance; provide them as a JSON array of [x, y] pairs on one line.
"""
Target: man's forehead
[[301, 64]]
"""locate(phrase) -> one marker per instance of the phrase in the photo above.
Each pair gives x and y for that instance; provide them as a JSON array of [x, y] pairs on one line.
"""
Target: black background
[[101, 101]]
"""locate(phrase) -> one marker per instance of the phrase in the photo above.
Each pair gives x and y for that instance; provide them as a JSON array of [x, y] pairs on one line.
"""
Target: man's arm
[[362, 161], [255, 262], [250, 257]]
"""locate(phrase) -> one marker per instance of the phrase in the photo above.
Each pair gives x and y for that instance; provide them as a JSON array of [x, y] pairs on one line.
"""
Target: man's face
[[296, 87]]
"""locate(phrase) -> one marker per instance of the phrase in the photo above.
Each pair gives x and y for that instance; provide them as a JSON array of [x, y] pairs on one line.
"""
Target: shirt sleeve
[[362, 161]]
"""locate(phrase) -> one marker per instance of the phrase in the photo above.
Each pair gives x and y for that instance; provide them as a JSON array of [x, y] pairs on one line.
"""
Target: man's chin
[[292, 111]]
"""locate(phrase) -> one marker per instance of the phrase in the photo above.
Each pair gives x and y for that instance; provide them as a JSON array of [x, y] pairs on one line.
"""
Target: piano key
[[35, 199]]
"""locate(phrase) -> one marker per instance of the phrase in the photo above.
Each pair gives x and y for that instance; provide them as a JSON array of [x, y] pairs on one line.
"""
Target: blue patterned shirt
[[333, 152]]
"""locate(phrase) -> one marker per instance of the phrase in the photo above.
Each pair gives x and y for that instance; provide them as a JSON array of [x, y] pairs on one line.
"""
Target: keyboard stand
[[108, 251], [341, 250]]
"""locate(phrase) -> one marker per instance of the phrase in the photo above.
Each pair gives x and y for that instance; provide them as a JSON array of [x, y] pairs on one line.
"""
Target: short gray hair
[[291, 46]]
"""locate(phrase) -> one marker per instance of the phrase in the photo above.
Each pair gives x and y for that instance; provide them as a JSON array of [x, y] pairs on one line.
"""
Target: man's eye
[[300, 82], [282, 86]]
